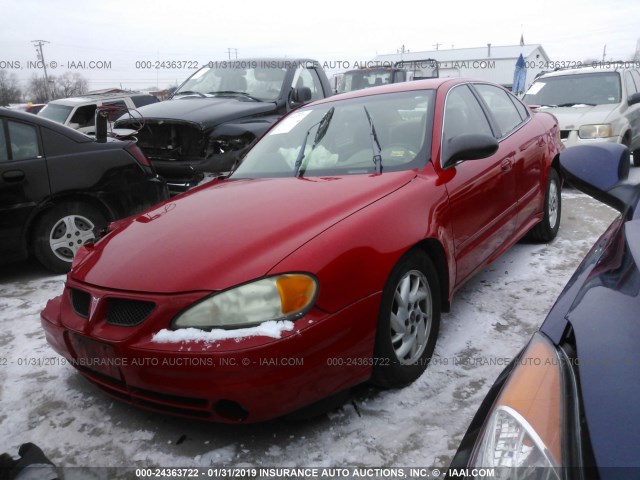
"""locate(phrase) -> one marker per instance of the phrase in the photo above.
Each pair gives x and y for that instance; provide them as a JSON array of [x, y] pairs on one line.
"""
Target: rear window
[[57, 113], [142, 100], [578, 89]]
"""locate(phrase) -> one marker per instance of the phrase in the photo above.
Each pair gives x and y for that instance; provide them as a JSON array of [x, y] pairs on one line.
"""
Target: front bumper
[[229, 381]]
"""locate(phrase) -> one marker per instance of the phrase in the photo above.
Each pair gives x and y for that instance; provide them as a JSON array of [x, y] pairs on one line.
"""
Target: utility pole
[[437, 45], [235, 50], [38, 44], [604, 53]]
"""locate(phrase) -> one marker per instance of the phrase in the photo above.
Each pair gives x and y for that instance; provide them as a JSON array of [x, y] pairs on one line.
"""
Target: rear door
[[24, 182], [482, 195]]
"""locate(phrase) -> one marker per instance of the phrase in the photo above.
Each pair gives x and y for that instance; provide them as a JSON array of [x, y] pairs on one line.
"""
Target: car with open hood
[[566, 406], [218, 113], [322, 262]]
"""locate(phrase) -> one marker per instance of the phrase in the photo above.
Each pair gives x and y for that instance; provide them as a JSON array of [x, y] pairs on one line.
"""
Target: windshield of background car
[[338, 140], [57, 113], [359, 80], [578, 89], [259, 80]]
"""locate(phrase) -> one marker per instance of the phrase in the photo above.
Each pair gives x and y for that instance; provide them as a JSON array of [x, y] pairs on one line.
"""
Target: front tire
[[547, 229], [62, 230], [408, 322]]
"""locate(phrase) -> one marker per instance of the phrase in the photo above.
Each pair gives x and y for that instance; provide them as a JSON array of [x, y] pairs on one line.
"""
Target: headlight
[[526, 423], [273, 298], [595, 131]]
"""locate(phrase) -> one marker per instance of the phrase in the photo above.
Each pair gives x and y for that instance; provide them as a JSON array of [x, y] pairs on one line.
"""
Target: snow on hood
[[572, 118], [271, 329], [225, 234]]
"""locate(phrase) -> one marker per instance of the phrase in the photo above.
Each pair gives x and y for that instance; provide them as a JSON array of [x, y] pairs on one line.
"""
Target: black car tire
[[391, 369], [636, 158], [547, 229], [74, 223]]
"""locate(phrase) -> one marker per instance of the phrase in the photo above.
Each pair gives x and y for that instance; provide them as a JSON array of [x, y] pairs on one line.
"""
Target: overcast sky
[[125, 32]]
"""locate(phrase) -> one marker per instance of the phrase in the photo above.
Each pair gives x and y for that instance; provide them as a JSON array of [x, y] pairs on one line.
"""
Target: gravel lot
[[493, 316]]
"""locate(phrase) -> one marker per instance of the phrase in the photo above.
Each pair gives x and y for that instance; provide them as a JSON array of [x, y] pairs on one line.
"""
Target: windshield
[[253, 80], [358, 79], [579, 89], [337, 138], [57, 113]]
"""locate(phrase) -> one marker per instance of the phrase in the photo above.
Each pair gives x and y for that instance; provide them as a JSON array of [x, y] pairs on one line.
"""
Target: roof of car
[[45, 122], [595, 68]]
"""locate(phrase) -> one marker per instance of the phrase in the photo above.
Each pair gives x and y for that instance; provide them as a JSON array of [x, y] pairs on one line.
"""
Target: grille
[[80, 301], [128, 313]]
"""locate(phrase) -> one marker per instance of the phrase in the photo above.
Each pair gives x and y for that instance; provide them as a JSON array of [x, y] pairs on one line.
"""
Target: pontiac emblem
[[93, 307]]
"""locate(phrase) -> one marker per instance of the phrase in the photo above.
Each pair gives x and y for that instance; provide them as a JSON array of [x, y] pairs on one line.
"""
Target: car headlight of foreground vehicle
[[595, 131], [527, 425], [281, 297]]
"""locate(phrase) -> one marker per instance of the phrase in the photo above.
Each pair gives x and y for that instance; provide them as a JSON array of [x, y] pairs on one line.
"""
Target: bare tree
[[9, 90], [39, 91], [70, 85]]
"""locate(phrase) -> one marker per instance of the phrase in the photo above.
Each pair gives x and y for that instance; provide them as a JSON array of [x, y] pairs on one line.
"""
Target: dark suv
[[59, 186]]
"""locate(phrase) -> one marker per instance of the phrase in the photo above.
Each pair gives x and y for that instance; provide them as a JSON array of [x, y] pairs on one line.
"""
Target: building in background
[[492, 63]]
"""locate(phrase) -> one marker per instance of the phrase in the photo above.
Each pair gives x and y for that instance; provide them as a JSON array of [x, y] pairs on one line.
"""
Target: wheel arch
[[435, 251]]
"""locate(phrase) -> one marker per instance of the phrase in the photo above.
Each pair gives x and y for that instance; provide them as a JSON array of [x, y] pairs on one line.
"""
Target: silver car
[[593, 104]]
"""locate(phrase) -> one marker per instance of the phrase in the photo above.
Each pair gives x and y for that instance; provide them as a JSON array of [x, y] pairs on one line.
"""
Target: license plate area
[[96, 356]]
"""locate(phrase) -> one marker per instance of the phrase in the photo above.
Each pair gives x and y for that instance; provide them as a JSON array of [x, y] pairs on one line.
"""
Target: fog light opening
[[230, 410]]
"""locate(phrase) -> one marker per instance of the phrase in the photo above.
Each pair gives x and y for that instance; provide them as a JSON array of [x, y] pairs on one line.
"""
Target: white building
[[492, 63]]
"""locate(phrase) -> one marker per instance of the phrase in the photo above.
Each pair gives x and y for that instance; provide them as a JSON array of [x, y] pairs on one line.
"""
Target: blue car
[[568, 405]]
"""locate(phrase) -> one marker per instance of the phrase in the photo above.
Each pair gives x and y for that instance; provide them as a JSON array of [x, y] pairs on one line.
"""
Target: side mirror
[[600, 170], [470, 147], [301, 95], [633, 99]]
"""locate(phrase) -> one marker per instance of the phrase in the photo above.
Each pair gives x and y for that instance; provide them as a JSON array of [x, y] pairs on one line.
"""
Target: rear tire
[[636, 158], [408, 322], [62, 230], [547, 229]]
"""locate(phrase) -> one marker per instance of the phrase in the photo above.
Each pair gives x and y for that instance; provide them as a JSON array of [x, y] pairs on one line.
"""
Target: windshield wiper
[[190, 92], [375, 144], [232, 92], [323, 126]]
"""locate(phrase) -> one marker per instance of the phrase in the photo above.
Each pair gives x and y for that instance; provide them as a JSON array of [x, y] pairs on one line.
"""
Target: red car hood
[[226, 234]]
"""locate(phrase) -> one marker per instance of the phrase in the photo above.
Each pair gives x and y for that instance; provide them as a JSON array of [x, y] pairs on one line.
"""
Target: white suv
[[596, 103], [79, 112]]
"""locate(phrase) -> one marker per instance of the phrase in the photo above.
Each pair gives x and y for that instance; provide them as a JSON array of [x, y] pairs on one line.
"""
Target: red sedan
[[322, 262]]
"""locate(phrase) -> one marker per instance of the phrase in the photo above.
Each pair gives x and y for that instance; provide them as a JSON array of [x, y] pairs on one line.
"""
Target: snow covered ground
[[492, 317]]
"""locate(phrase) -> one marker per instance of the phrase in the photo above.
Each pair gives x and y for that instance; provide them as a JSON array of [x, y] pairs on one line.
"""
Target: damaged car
[[214, 117]]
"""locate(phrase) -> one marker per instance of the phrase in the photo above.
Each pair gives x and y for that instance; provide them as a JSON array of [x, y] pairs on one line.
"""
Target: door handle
[[13, 175], [506, 164]]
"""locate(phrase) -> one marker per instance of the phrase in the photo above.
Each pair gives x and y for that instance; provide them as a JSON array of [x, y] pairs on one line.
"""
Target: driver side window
[[462, 116]]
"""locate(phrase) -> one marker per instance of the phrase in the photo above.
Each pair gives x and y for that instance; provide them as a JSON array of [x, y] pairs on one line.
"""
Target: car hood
[[572, 118], [605, 321], [218, 236], [205, 112]]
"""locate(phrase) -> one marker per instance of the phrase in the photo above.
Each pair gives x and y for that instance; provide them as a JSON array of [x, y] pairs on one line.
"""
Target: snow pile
[[271, 329]]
